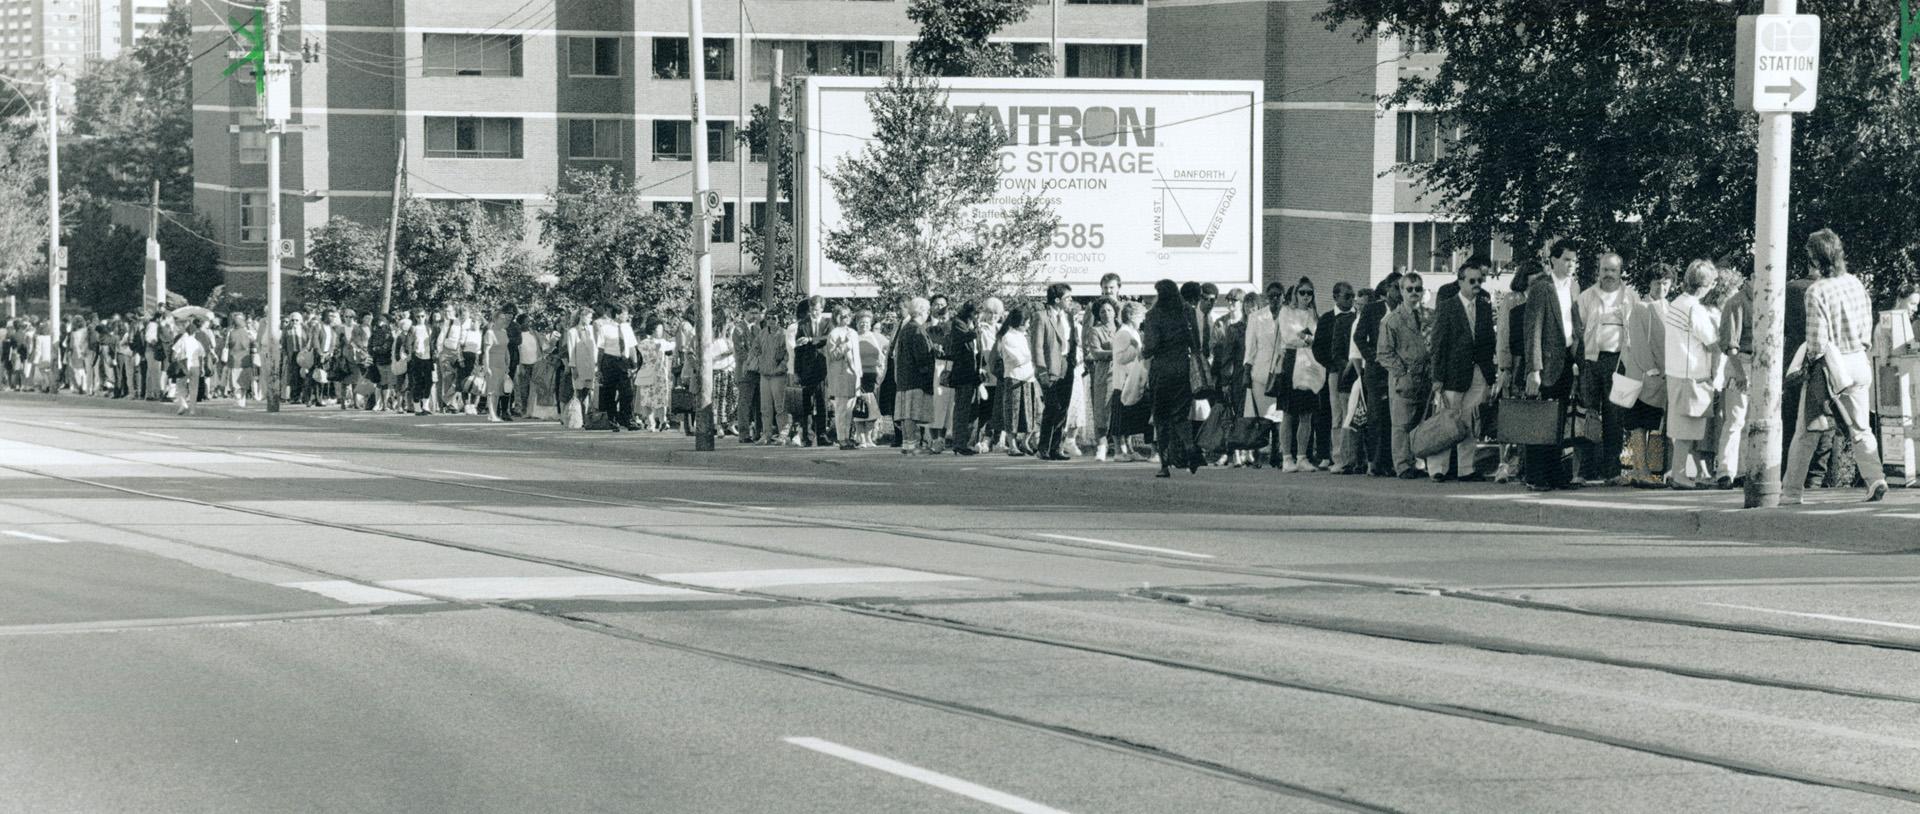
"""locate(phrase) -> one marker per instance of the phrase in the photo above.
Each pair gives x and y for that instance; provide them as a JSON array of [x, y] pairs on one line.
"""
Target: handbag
[[795, 399], [1587, 426], [681, 401], [862, 407], [303, 359], [1308, 375], [1531, 422], [1626, 390], [1249, 433], [1200, 410], [1133, 388], [1213, 433], [1442, 431], [1356, 408]]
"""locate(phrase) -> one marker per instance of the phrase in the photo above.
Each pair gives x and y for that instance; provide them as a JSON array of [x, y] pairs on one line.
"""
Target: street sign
[[1777, 68], [278, 101], [60, 260], [286, 247], [710, 206]]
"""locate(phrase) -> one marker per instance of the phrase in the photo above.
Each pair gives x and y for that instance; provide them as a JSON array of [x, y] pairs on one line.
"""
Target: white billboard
[[1151, 178]]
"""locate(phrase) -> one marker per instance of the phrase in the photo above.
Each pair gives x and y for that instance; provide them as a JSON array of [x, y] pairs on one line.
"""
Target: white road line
[[716, 505], [157, 435], [1091, 541], [353, 593], [535, 587], [1854, 510], [998, 799], [467, 474], [1902, 515], [28, 535], [1821, 616], [805, 576]]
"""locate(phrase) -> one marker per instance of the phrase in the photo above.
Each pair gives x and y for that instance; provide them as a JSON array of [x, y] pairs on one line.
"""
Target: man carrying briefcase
[[1462, 365], [1552, 338]]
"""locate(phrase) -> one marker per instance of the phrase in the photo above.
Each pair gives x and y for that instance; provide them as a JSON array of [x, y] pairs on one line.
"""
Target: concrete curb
[[1317, 494]]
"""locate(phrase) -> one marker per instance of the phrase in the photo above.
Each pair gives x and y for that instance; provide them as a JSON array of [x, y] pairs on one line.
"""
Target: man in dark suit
[[1054, 352], [1331, 338], [1553, 332], [1462, 362], [1377, 437]]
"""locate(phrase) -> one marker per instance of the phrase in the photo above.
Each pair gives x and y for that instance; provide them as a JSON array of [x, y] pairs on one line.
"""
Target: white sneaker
[[1292, 464]]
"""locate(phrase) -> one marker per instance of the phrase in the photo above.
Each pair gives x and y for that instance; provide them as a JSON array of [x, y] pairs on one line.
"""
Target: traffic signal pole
[[276, 129], [56, 271], [701, 220]]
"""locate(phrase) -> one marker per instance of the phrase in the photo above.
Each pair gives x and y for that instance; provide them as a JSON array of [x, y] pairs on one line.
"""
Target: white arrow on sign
[[1792, 89]]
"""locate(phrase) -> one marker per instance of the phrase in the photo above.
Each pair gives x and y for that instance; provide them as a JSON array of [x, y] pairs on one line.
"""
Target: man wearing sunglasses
[[1463, 343], [1404, 353]]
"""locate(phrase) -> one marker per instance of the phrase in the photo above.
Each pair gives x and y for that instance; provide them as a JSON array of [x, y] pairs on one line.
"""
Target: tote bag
[[1626, 389]]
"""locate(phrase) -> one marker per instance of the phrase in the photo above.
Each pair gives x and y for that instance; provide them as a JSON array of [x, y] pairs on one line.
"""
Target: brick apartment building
[[498, 98], [1336, 209]]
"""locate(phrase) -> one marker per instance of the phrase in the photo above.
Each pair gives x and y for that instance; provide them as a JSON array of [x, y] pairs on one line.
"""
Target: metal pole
[[740, 163], [770, 224], [1053, 37], [275, 131], [1765, 370], [393, 227], [56, 276], [702, 259]]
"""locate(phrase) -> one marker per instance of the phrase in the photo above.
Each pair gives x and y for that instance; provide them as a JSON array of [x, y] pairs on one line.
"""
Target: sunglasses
[[1414, 290], [1470, 281]]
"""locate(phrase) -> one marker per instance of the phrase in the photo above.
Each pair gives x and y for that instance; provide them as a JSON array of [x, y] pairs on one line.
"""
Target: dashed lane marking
[[948, 783], [28, 535], [482, 588], [747, 580], [1821, 616], [157, 435], [691, 502], [1110, 543], [467, 474], [354, 593]]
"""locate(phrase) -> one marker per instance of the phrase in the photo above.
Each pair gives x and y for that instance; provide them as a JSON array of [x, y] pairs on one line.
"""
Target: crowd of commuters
[[1655, 381]]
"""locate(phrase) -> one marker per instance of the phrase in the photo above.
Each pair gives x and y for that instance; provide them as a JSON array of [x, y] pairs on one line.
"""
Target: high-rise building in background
[[1336, 206], [135, 19], [62, 35], [497, 99]]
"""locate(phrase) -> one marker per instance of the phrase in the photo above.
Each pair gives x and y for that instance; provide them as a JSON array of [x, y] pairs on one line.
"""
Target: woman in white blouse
[[1019, 390], [1692, 341], [1128, 379], [843, 373]]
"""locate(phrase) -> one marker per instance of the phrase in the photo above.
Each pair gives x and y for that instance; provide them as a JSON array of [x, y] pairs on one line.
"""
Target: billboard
[[1151, 178]]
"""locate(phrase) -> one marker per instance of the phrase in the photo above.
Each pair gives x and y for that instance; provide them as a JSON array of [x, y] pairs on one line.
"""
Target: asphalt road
[[255, 615]]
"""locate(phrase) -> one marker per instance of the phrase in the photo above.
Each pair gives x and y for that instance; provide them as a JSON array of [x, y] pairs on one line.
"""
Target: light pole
[[700, 217], [1772, 194]]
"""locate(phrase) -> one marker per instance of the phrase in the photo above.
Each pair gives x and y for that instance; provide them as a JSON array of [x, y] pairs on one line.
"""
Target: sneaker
[[1878, 491], [1323, 465], [1292, 465]]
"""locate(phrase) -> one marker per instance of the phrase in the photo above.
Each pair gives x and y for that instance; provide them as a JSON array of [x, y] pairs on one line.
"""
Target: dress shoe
[[1410, 474], [1473, 478]]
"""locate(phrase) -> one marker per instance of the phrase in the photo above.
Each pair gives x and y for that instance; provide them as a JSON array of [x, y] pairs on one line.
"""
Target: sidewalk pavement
[[1833, 519]]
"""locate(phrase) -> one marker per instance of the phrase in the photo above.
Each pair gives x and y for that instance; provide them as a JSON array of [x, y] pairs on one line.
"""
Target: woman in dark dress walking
[[1170, 342]]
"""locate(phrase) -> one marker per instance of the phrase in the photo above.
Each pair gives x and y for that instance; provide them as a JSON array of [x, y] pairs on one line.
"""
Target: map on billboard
[[1151, 178]]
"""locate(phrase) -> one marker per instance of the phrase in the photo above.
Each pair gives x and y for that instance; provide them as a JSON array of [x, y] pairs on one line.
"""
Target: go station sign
[[1777, 67]]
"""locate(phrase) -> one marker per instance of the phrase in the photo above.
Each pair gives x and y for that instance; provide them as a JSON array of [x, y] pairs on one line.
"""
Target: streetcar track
[[1488, 716]]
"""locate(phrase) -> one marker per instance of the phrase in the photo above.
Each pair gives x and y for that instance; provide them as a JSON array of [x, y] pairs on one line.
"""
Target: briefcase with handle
[[1532, 422]]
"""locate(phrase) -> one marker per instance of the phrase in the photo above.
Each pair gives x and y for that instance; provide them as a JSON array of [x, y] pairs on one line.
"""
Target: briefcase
[[1537, 422], [682, 401]]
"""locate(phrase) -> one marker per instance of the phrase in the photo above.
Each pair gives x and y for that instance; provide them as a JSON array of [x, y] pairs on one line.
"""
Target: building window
[[1423, 137], [1103, 61], [471, 55], [757, 214], [472, 137], [1423, 247], [593, 56], [593, 139], [672, 140], [719, 141], [252, 139], [253, 217], [722, 229], [822, 58], [1025, 52], [670, 58]]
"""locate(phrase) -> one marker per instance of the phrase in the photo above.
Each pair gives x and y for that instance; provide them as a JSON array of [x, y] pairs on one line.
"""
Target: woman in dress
[[1297, 322], [653, 383], [1019, 389], [1693, 332], [189, 358], [493, 368], [1170, 342], [843, 373], [1127, 379], [873, 363], [1105, 318], [1645, 359]]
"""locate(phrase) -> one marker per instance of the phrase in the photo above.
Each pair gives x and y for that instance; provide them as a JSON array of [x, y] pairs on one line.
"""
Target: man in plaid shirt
[[1839, 332]]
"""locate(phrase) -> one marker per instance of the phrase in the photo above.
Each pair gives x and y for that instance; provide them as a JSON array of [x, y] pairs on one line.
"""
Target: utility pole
[[1053, 37], [277, 101], [770, 224], [393, 226], [56, 270], [705, 207], [740, 164], [1766, 368], [154, 287]]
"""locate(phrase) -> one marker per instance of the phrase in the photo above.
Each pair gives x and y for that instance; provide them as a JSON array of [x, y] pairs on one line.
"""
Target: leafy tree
[[23, 205], [133, 120], [1611, 122], [610, 246], [914, 202], [346, 265], [458, 252], [105, 271], [953, 39], [193, 262], [736, 292]]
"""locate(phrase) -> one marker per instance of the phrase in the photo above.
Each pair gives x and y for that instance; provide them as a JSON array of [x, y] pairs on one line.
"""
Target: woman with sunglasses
[[1300, 381]]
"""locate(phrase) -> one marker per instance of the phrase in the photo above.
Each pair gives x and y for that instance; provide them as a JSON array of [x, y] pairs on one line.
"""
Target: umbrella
[[191, 311]]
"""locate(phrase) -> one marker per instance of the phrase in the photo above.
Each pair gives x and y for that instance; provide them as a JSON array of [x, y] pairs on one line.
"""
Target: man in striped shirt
[[1839, 332]]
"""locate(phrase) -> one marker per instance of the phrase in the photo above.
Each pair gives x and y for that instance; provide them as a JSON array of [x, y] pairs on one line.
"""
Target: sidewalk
[[1834, 519]]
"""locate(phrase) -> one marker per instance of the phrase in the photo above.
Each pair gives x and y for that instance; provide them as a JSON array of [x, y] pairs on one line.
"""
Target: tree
[[1611, 122], [132, 120], [611, 247], [736, 292], [104, 272], [23, 205], [915, 203], [953, 39], [462, 252], [346, 265]]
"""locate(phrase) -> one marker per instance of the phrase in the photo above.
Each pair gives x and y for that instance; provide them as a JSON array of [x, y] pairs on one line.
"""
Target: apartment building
[[61, 35], [497, 99], [1336, 206]]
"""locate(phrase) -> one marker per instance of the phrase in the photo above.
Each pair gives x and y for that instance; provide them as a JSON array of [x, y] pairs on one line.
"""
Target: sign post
[[1777, 75], [705, 207]]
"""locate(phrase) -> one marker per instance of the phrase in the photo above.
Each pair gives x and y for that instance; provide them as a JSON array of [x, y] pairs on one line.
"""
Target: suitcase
[[1532, 422]]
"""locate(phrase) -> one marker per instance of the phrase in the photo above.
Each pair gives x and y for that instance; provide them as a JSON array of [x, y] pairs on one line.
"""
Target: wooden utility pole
[[393, 226], [770, 223]]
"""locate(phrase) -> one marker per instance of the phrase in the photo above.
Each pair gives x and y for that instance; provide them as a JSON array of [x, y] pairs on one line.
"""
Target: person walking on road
[[1839, 334], [188, 358]]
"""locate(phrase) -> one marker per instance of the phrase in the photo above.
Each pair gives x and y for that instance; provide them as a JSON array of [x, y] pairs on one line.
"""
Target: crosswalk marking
[[28, 535], [1111, 544], [467, 474], [742, 580], [354, 593], [992, 797], [484, 588]]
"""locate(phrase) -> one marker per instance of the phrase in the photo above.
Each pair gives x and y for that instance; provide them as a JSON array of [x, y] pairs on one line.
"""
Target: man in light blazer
[[1054, 352], [1462, 362]]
